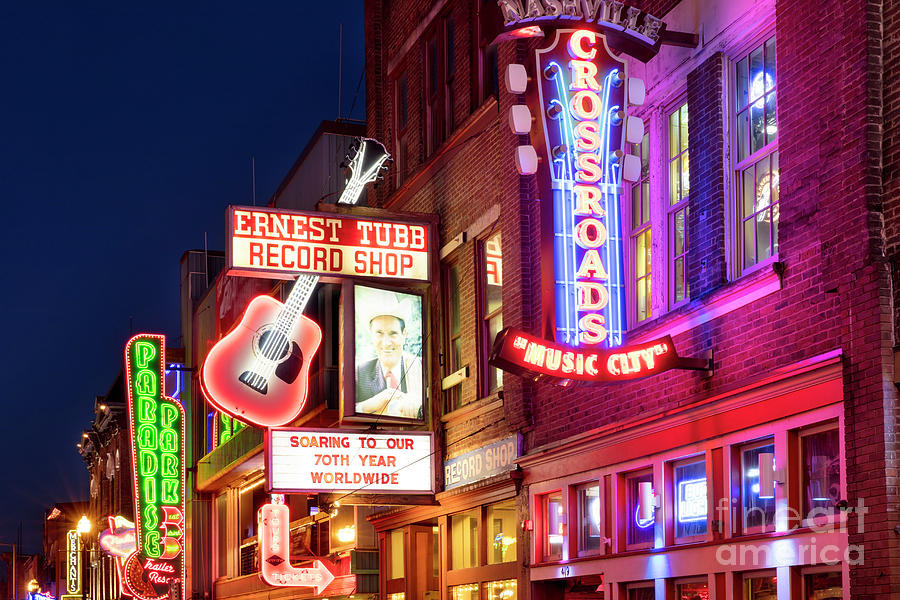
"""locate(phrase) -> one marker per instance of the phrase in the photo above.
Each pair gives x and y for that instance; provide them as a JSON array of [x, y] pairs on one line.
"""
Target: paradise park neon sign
[[157, 425]]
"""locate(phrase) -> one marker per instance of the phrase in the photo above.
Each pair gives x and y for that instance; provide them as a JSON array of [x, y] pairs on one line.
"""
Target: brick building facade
[[787, 281]]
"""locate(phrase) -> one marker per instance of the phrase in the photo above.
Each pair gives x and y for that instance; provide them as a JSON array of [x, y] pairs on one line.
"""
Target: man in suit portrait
[[390, 384]]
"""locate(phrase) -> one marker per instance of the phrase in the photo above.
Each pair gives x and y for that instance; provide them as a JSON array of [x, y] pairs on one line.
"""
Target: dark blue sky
[[124, 133]]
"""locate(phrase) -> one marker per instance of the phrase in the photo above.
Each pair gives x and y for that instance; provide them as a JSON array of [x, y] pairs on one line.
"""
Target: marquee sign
[[333, 460], [157, 425], [274, 542], [265, 242]]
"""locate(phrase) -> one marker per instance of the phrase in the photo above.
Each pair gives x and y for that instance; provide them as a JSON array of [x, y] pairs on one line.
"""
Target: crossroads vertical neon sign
[[157, 425], [583, 98]]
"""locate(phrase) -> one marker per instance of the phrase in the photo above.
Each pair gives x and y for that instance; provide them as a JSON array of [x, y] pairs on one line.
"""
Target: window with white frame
[[677, 213], [554, 517], [758, 504], [756, 154], [491, 306], [639, 524], [640, 234], [657, 216], [821, 469], [691, 501]]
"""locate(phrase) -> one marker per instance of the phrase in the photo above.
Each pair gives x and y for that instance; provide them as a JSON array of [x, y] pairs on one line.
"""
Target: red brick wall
[[837, 290]]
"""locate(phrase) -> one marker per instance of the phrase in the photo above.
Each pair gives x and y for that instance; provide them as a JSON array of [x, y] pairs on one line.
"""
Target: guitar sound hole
[[273, 345]]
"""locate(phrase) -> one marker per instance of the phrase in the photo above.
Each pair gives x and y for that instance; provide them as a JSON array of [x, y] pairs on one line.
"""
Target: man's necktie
[[392, 380]]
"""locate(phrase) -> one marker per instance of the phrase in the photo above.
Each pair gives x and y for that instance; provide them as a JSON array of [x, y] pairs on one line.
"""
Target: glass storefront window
[[467, 591], [500, 527], [555, 517], [692, 591], [758, 510], [761, 588], [641, 593], [590, 536], [691, 503], [464, 540], [396, 567], [638, 531], [821, 473], [501, 590], [823, 586]]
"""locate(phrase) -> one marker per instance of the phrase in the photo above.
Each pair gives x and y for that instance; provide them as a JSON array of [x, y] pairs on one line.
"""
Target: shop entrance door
[[424, 579]]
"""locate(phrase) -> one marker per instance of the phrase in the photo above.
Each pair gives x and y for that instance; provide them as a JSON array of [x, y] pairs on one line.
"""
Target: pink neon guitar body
[[277, 395]]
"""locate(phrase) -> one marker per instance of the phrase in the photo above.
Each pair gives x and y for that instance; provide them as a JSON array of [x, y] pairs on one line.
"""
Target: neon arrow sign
[[276, 568]]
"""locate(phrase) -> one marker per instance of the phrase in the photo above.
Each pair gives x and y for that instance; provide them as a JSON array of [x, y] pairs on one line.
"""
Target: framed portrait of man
[[388, 353]]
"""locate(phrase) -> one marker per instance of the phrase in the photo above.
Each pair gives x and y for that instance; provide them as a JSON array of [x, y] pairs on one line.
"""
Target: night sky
[[124, 134]]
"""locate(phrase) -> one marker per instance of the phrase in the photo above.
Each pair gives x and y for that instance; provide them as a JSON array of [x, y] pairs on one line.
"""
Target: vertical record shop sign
[[157, 425], [582, 93]]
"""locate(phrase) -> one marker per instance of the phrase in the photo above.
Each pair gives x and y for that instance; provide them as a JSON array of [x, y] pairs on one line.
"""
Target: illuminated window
[[500, 527], [821, 473], [679, 190], [758, 504], [453, 350], [468, 591], [501, 590], [492, 307], [554, 514], [590, 532], [826, 585], [691, 502], [395, 541], [760, 587], [693, 590], [401, 143], [638, 528], [756, 154], [640, 233], [464, 540], [440, 68]]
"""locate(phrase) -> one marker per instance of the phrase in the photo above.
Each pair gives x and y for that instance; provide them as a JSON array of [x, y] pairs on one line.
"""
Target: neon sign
[[119, 539], [535, 358], [583, 93], [157, 424], [632, 30], [692, 500], [73, 563], [280, 243], [275, 565]]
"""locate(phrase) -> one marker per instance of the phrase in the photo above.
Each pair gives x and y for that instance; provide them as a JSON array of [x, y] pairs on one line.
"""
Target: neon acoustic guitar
[[259, 371]]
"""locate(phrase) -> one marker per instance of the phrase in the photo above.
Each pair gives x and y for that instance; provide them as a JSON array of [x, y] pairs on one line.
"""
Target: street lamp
[[33, 588], [83, 528]]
